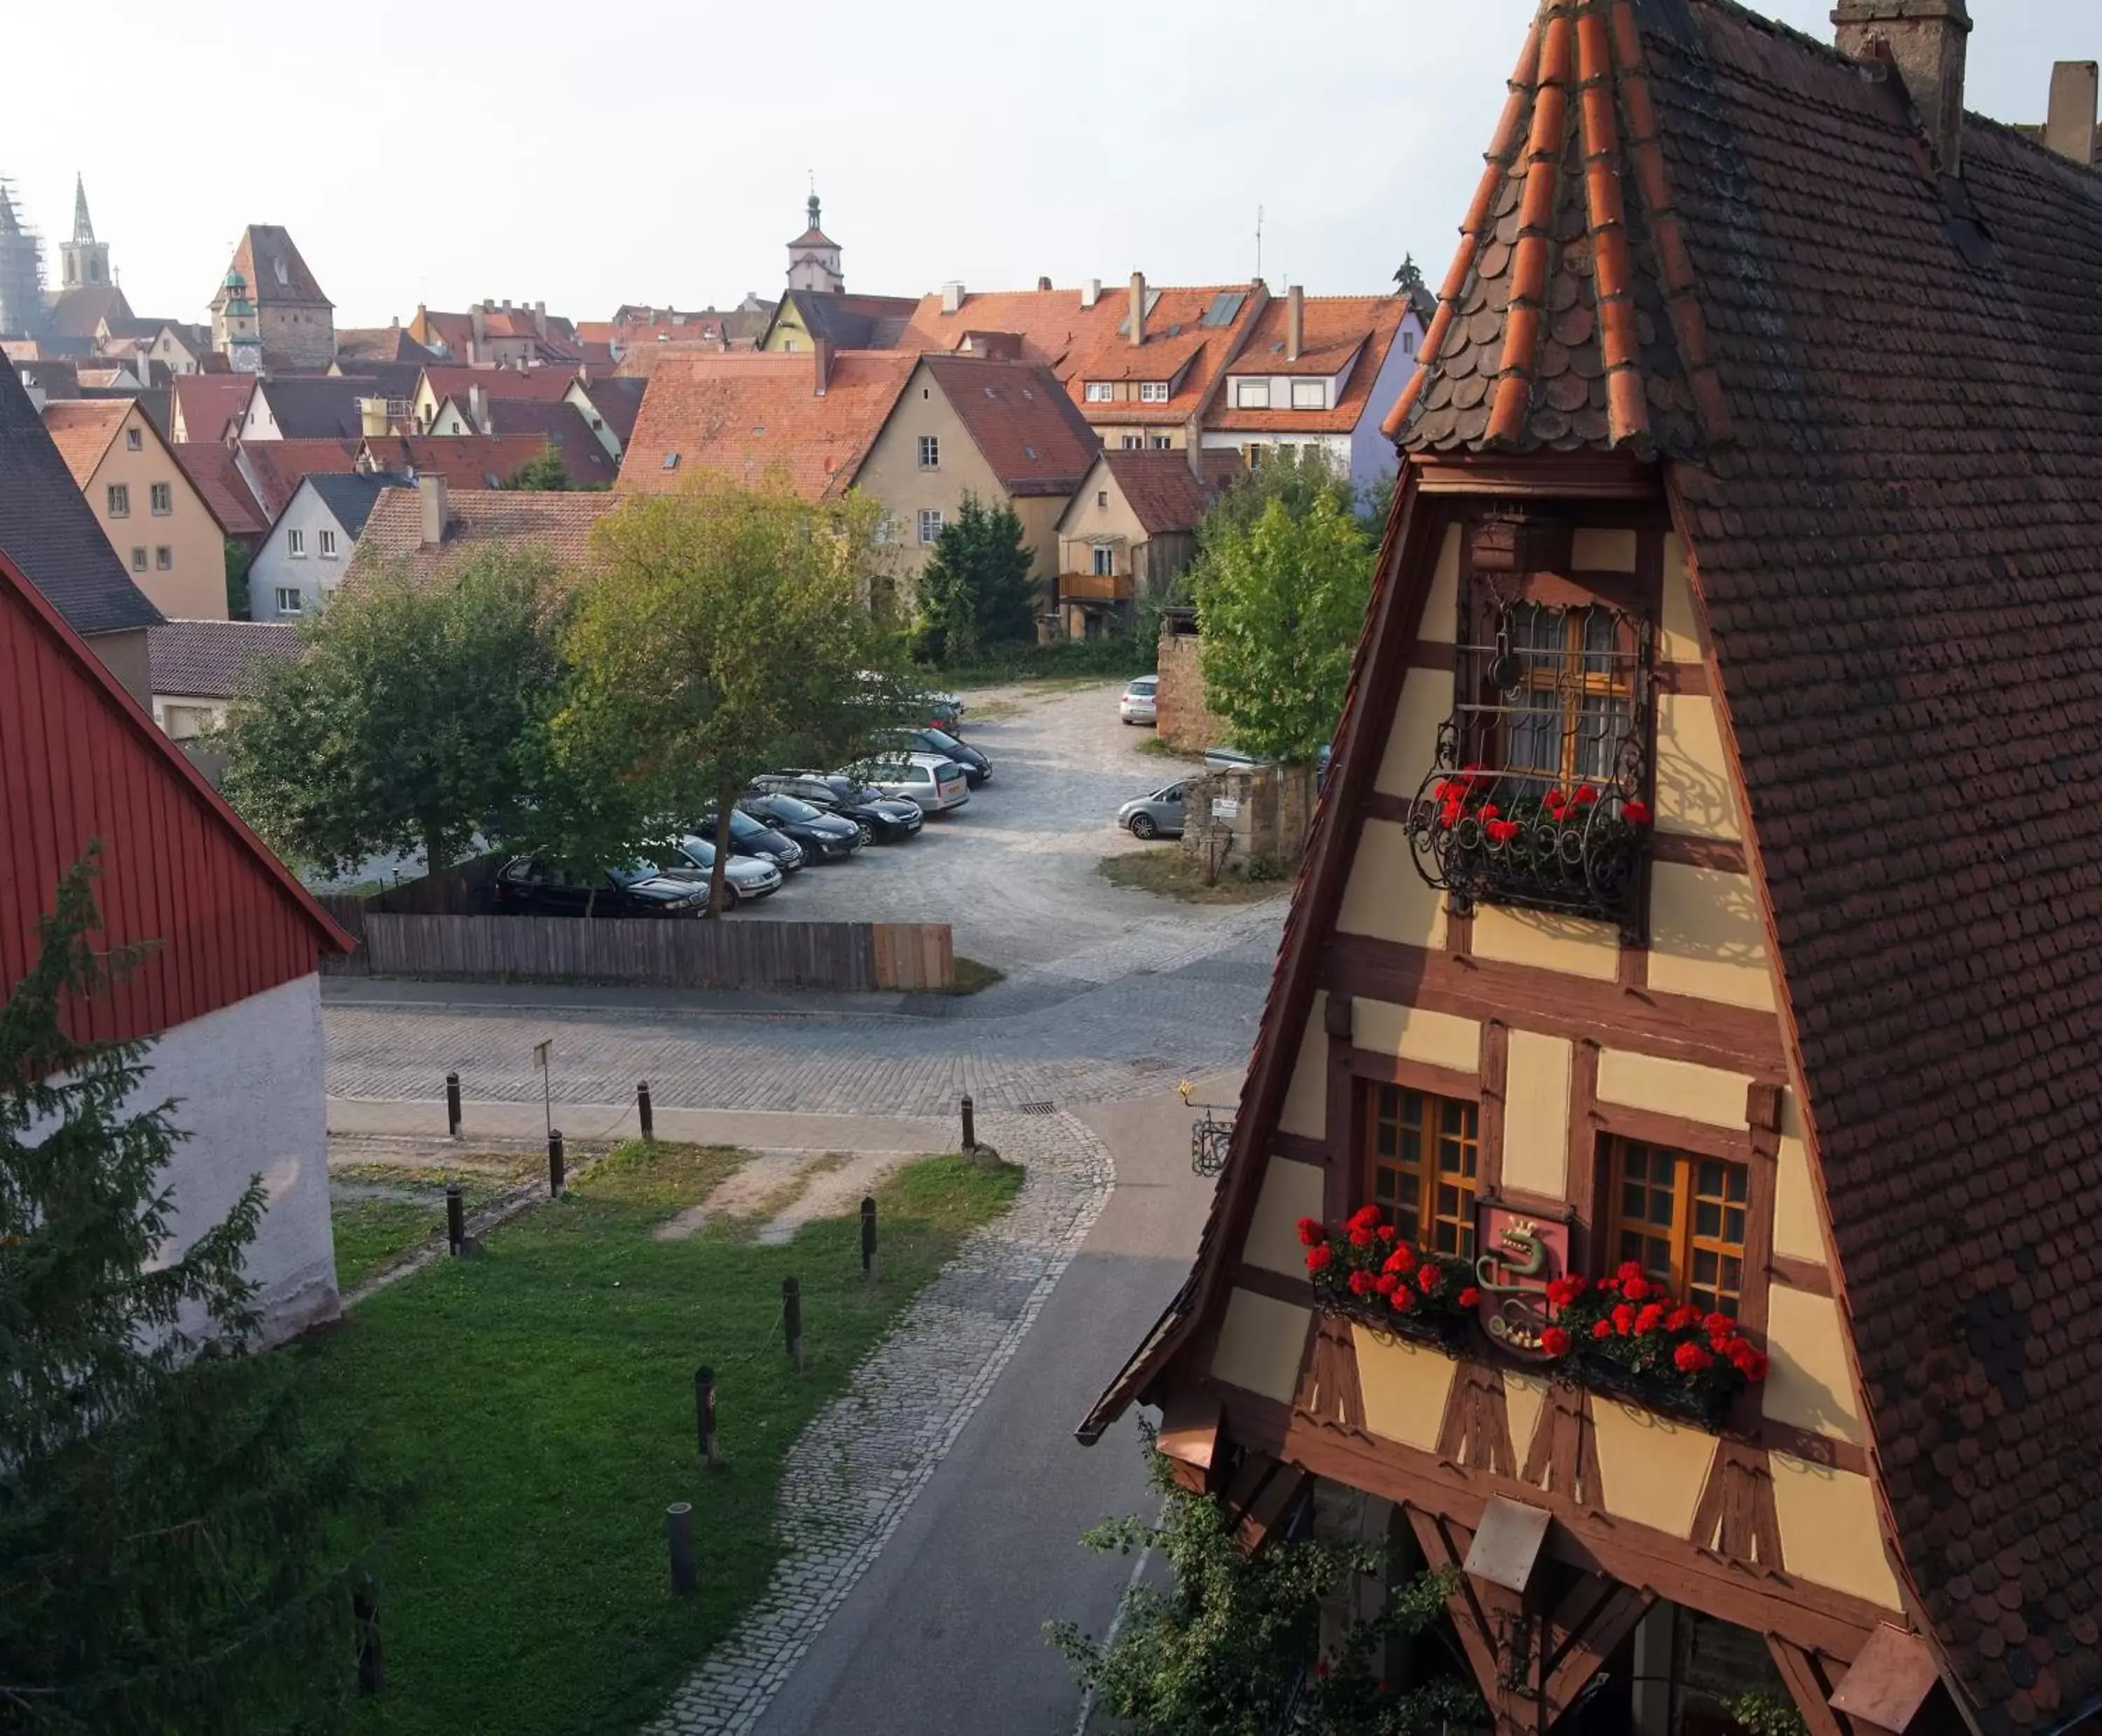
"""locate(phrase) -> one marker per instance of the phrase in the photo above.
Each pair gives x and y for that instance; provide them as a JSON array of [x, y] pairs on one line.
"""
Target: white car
[[1136, 706], [934, 783]]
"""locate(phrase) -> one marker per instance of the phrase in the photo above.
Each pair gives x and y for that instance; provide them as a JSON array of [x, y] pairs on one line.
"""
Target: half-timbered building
[[1698, 956]]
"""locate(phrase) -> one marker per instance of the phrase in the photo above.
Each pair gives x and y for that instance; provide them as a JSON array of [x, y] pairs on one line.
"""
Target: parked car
[[1138, 705], [944, 710], [1232, 759], [880, 818], [1159, 815], [524, 887], [694, 857], [934, 782], [823, 837], [750, 837], [977, 768]]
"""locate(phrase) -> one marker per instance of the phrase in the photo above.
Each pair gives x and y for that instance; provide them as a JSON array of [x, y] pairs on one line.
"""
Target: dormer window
[[1153, 392], [1310, 394], [1251, 394], [1098, 392]]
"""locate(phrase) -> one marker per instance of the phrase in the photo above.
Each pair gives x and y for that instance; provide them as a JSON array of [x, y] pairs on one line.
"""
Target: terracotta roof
[[48, 530], [1334, 329], [476, 518], [616, 398], [275, 468], [559, 425], [466, 461], [209, 659], [448, 381], [214, 469], [81, 429], [207, 404], [745, 415], [1051, 323], [1163, 492], [264, 248], [1020, 419]]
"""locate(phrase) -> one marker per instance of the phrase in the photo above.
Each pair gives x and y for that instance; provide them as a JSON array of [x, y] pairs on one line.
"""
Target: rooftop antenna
[[1258, 241]]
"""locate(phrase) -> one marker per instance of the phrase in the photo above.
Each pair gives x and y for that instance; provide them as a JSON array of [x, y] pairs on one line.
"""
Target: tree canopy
[[544, 470], [977, 590], [409, 722]]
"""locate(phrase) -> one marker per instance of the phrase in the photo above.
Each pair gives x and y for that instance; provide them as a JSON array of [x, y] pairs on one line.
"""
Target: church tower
[[83, 261], [813, 258], [21, 273]]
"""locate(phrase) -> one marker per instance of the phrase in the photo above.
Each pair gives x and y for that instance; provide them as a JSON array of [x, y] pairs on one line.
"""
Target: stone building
[[293, 322]]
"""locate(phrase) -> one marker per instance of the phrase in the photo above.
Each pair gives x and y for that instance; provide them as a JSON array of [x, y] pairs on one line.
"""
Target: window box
[[1368, 1272], [1629, 1338], [1705, 1407]]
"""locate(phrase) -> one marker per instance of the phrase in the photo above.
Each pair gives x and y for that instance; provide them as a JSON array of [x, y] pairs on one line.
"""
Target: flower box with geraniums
[[1365, 1271], [1625, 1336]]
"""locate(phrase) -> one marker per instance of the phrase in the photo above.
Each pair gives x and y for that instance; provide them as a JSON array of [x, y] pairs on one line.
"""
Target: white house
[[307, 551]]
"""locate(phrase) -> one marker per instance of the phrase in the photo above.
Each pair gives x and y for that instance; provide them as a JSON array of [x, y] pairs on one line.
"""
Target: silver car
[[934, 783], [1140, 703], [745, 877], [1159, 815]]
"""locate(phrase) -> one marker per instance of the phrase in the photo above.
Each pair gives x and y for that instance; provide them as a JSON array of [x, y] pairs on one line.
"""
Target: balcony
[[1094, 587]]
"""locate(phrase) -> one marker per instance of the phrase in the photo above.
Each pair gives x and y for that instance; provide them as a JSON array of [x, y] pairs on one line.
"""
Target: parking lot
[[1014, 872]]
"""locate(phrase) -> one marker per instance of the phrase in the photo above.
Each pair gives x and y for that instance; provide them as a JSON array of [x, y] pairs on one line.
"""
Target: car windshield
[[787, 808], [633, 874], [1143, 689], [943, 742], [697, 851]]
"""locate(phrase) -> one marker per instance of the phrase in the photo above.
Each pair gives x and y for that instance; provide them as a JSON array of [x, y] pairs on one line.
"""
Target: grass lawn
[[372, 1232], [537, 1404], [1155, 748], [972, 975], [1166, 870]]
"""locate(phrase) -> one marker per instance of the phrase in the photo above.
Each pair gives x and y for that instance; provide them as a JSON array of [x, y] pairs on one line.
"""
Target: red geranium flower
[[1361, 1283], [1635, 813], [1623, 1320], [1404, 1299], [1501, 831], [1427, 1277], [1585, 796], [1752, 1365], [1318, 1258], [1362, 1238], [1635, 1288], [1365, 1217], [1490, 811], [1719, 1325], [1562, 1292], [1649, 1318], [1683, 1316], [1387, 1232], [1628, 1269], [1554, 1341], [1602, 1329], [1691, 1358], [1386, 1283], [1402, 1259], [1310, 1232], [1470, 1296]]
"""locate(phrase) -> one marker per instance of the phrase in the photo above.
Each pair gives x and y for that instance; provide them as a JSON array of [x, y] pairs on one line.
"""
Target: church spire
[[83, 231], [814, 223]]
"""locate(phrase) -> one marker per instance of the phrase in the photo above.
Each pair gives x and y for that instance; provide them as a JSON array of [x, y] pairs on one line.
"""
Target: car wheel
[[729, 897], [1142, 826]]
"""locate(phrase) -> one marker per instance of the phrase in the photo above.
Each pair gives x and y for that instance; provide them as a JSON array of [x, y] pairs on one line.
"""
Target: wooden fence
[[746, 954]]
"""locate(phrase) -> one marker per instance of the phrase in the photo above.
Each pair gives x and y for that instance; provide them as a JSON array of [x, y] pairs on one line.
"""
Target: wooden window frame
[[1367, 1072]]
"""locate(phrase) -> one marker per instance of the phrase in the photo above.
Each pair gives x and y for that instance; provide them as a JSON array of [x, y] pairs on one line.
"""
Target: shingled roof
[[1163, 492], [1020, 419], [275, 275], [1878, 389], [211, 659], [511, 520]]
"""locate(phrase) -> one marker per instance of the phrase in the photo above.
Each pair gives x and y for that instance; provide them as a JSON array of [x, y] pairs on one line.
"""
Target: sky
[[440, 152]]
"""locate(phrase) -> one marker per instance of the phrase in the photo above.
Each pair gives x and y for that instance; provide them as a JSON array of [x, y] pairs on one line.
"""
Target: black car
[[977, 768], [750, 837], [824, 837], [526, 888], [880, 818]]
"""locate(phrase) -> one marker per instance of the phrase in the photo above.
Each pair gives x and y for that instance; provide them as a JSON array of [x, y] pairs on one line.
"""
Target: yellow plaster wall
[[1797, 1231], [1828, 1533], [1261, 1344], [1678, 638], [1673, 1087], [1441, 608], [1405, 1387], [1653, 1470], [1525, 1396], [1411, 740], [1695, 792], [1552, 942], [1437, 1039], [1536, 1113], [1604, 551], [1706, 936], [1306, 1110], [1808, 1383], [1385, 898], [1291, 1190]]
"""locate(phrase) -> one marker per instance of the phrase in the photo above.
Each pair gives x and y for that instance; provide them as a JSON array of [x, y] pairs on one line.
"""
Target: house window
[[1310, 394], [1680, 1218], [1422, 1158], [930, 524], [295, 544], [289, 601], [1409, 343], [1102, 498], [133, 440], [882, 530], [161, 498], [1098, 392], [164, 558], [1251, 394], [119, 497], [1574, 696], [930, 452], [328, 545], [1130, 442], [138, 559], [1160, 442], [1153, 392], [671, 461], [1105, 561]]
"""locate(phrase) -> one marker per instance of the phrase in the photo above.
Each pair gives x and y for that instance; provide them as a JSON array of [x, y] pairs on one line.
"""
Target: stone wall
[[1269, 810], [1184, 721]]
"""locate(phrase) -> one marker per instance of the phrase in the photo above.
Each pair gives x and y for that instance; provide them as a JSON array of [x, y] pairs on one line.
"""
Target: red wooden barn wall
[[79, 760]]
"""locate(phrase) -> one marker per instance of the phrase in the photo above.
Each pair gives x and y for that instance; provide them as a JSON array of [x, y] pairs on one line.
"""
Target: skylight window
[[671, 461]]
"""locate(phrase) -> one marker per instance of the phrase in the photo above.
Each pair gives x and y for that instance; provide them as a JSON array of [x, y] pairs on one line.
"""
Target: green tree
[[165, 1564], [407, 724], [544, 470], [976, 590], [726, 630], [1227, 1647], [1295, 480], [1279, 604], [238, 556]]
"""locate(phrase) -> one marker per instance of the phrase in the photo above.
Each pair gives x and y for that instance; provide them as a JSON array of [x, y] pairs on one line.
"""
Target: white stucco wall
[[252, 1093], [312, 574]]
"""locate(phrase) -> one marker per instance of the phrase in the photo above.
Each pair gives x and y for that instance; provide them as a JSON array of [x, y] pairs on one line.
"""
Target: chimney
[[1295, 322], [478, 321], [1925, 40], [394, 324], [952, 298], [1193, 447], [1092, 294], [477, 407], [431, 493], [540, 319], [821, 352], [1137, 318], [1043, 284], [2069, 126], [372, 417]]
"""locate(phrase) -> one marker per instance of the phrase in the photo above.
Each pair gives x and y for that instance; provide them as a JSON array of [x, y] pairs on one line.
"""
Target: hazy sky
[[441, 152]]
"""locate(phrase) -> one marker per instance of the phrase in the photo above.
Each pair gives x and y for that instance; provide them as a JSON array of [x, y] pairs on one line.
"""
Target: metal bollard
[[970, 1127], [643, 1111], [554, 1163], [452, 1105], [679, 1532], [792, 1319], [365, 1613], [456, 1218], [704, 1414], [868, 1240]]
